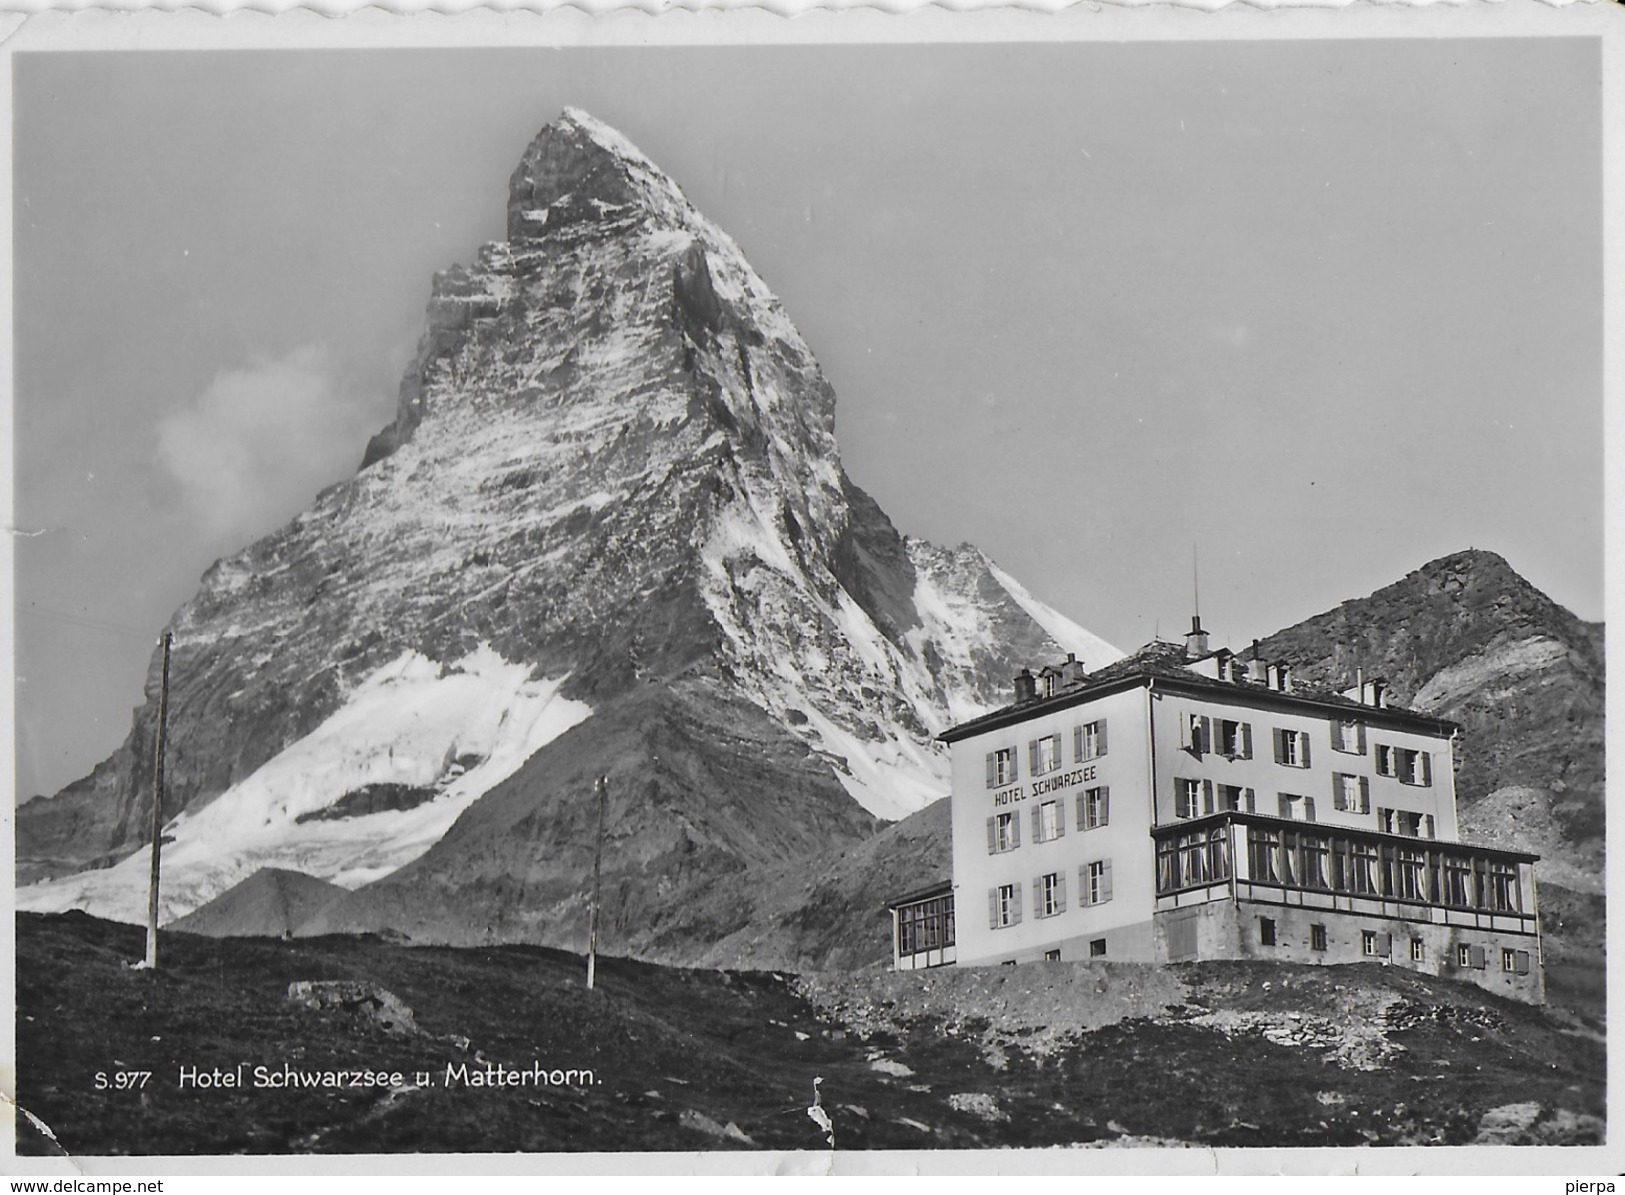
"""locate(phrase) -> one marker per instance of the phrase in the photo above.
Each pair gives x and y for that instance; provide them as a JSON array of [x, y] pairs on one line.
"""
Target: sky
[[1293, 317]]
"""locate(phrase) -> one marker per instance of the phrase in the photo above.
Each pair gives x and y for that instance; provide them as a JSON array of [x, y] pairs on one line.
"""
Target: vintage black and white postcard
[[965, 592]]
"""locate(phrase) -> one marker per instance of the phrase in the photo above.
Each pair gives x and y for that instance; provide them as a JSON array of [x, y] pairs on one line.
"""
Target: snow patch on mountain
[[1091, 649], [457, 730]]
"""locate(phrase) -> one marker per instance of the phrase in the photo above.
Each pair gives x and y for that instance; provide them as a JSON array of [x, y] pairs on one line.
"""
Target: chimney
[[1379, 691], [1196, 641], [1257, 670], [1072, 671], [1026, 686]]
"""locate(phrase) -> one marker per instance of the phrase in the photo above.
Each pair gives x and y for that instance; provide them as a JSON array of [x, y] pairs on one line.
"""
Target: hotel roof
[[1166, 666]]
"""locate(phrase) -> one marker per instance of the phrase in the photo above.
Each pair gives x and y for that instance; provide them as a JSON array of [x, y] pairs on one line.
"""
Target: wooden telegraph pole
[[602, 788], [158, 810]]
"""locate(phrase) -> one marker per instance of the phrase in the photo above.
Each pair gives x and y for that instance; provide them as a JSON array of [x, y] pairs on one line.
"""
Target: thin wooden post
[[602, 787], [158, 810]]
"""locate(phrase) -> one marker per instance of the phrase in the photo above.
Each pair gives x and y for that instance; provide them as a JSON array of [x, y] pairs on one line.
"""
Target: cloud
[[253, 448]]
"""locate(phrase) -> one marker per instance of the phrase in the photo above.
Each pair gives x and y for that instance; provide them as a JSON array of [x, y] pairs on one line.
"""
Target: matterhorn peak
[[580, 169], [608, 528]]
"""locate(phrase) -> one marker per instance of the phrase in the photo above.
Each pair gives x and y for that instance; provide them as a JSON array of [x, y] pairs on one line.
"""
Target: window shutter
[[1083, 810], [1100, 737], [1105, 805], [1523, 962], [1285, 805], [1337, 791], [1038, 824], [1207, 735], [1427, 768], [993, 908], [1365, 794], [1279, 736], [1427, 824], [1015, 832], [992, 771], [1385, 945], [1032, 757], [1207, 796], [1308, 809], [1060, 819], [1247, 799], [1060, 892], [1246, 740], [1359, 735], [1038, 896], [1015, 906], [1105, 881], [1478, 957], [1336, 728], [1303, 749], [1077, 743], [992, 838]]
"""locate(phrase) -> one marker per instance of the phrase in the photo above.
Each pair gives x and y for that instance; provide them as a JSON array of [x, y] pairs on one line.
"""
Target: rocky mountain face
[[1466, 638], [608, 532]]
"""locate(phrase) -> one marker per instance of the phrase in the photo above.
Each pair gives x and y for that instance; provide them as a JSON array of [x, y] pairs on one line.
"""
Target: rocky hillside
[[1466, 638], [608, 525], [1046, 1055]]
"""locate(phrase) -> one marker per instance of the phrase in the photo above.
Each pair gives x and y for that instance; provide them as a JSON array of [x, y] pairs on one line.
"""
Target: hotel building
[[1186, 804]]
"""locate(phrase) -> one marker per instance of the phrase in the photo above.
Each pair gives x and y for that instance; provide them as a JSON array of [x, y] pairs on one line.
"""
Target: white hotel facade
[[1183, 804]]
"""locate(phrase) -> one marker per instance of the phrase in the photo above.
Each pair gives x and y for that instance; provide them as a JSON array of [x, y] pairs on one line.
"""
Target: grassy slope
[[1044, 1055]]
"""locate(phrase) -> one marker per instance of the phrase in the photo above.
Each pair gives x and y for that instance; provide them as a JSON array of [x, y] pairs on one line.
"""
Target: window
[[1097, 882], [1003, 833], [1374, 944], [1406, 823], [1503, 886], [1051, 894], [1235, 739], [1312, 852], [1457, 881], [1049, 821], [1317, 937], [925, 926], [1348, 736], [1292, 748], [1097, 947], [1509, 960], [1052, 956], [1004, 906], [1266, 931], [1299, 809], [1188, 796], [1196, 734], [1094, 808], [1408, 881], [1191, 860], [1001, 767], [1089, 740], [1263, 850], [1044, 755], [1235, 798], [1418, 950], [1414, 767], [1470, 956], [1350, 793], [1363, 869], [1386, 765]]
